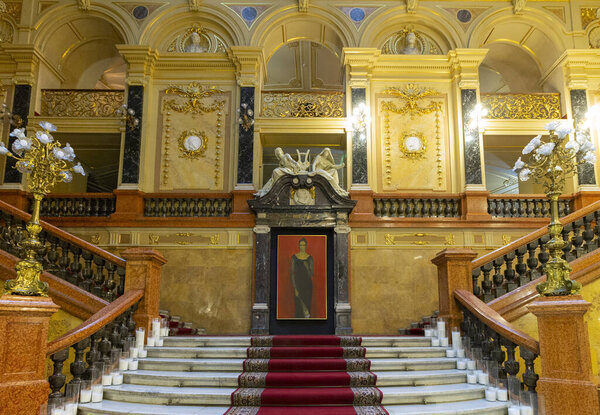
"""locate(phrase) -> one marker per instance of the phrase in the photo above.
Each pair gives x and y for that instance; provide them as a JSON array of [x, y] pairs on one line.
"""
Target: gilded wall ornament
[[303, 105], [81, 103], [194, 92], [413, 145], [192, 144], [522, 106], [198, 39], [588, 15]]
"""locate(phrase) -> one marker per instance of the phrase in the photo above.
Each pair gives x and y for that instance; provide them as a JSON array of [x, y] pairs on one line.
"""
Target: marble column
[[472, 149], [130, 173], [343, 323], [246, 139], [262, 271], [359, 140], [21, 103], [579, 107]]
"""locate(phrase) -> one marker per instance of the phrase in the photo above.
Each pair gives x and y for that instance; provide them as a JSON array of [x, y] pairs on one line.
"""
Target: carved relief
[[193, 127], [411, 123], [410, 42], [198, 40]]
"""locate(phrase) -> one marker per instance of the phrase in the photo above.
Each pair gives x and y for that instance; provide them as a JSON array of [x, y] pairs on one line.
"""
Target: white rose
[[564, 131], [524, 175], [58, 153], [19, 133], [48, 126], [519, 164], [78, 168], [44, 137], [553, 125], [545, 149], [572, 145], [67, 176]]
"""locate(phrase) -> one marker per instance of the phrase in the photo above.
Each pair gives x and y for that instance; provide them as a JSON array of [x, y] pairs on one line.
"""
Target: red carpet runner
[[306, 375]]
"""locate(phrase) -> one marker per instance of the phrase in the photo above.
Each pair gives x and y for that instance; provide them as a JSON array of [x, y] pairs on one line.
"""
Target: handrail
[[100, 319], [489, 257], [495, 321], [63, 235]]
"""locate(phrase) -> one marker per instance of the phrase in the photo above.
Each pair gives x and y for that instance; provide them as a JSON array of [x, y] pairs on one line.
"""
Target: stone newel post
[[23, 338], [454, 273], [565, 386], [143, 272]]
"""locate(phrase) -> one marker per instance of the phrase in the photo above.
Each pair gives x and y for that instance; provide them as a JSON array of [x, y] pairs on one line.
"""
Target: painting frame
[[310, 259]]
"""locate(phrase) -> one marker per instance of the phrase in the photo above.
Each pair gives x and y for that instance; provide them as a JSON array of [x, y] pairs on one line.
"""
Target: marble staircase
[[197, 375]]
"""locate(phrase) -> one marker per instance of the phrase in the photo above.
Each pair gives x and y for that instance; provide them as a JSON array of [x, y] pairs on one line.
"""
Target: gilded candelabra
[[550, 159], [47, 163]]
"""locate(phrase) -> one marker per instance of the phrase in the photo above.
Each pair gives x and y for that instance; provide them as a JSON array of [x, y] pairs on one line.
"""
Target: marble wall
[[210, 287]]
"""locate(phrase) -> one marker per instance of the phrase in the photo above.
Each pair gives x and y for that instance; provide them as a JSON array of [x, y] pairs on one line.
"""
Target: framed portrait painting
[[301, 277]]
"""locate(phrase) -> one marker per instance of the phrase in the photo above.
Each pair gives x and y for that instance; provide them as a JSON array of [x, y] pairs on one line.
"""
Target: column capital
[[359, 63], [464, 66], [249, 64], [578, 65], [27, 58], [140, 63]]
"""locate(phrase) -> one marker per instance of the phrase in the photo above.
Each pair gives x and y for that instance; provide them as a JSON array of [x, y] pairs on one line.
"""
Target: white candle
[[444, 342], [117, 378], [97, 392], [428, 332], [472, 378], [71, 409], [460, 353], [461, 365], [133, 352], [490, 394], [526, 410], [133, 365], [58, 411], [514, 410], [123, 363], [151, 341], [456, 340], [483, 378], [85, 395], [107, 380], [143, 353], [139, 338], [441, 326], [158, 342], [450, 353], [502, 395], [471, 364], [435, 342]]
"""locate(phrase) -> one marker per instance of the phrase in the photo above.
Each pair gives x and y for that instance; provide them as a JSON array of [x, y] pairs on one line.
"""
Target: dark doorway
[[302, 325]]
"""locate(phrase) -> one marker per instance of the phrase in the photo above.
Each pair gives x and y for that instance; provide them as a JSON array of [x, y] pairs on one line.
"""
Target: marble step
[[236, 365], [108, 407], [216, 341], [240, 352], [392, 395], [230, 379]]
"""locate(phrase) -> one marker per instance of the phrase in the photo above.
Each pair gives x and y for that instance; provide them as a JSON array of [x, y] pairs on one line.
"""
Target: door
[[301, 289]]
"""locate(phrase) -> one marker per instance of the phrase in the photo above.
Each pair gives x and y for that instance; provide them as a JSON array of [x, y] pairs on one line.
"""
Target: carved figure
[[411, 6], [410, 48], [195, 45], [84, 4], [303, 6], [287, 165], [518, 6], [325, 166]]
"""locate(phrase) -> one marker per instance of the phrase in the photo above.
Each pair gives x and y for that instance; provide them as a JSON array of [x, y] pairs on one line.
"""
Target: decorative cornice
[[465, 66], [249, 64], [360, 62], [578, 67], [27, 59], [140, 63]]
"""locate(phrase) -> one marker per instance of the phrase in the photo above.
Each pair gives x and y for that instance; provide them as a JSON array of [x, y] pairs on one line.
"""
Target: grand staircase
[[197, 375]]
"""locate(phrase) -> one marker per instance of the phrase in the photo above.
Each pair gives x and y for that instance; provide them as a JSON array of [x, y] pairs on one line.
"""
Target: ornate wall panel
[[414, 138], [193, 137]]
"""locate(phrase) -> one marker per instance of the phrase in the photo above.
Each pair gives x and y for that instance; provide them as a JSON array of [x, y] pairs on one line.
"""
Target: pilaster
[[140, 63], [249, 65], [359, 63]]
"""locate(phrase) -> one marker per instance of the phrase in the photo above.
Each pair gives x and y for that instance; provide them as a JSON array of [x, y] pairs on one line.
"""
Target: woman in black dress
[[301, 274]]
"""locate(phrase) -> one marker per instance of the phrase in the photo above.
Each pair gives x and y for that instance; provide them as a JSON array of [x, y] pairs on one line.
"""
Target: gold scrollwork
[[153, 238], [192, 144], [303, 105], [194, 92], [214, 239], [184, 234], [506, 239], [588, 15], [411, 94], [96, 238], [450, 240], [522, 106], [81, 102]]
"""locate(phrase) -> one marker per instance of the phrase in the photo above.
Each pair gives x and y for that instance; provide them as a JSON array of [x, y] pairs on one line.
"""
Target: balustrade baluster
[[121, 283], [53, 254], [486, 344], [204, 208], [195, 207], [511, 364], [130, 321], [520, 266], [509, 272], [76, 264], [499, 207], [123, 328], [545, 208], [514, 208], [543, 254], [105, 345], [561, 208], [401, 208], [57, 379], [530, 378], [588, 234], [87, 273], [110, 284], [577, 239], [386, 208], [93, 355], [410, 208], [394, 208], [529, 208], [492, 207], [532, 261], [78, 367], [115, 335], [566, 235], [497, 354], [475, 275], [98, 288], [64, 261], [522, 208], [164, 207], [498, 278], [486, 284], [455, 207], [172, 208]]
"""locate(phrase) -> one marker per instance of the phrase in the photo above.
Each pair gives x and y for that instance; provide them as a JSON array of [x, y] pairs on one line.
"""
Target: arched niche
[[81, 47], [434, 27], [162, 32]]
